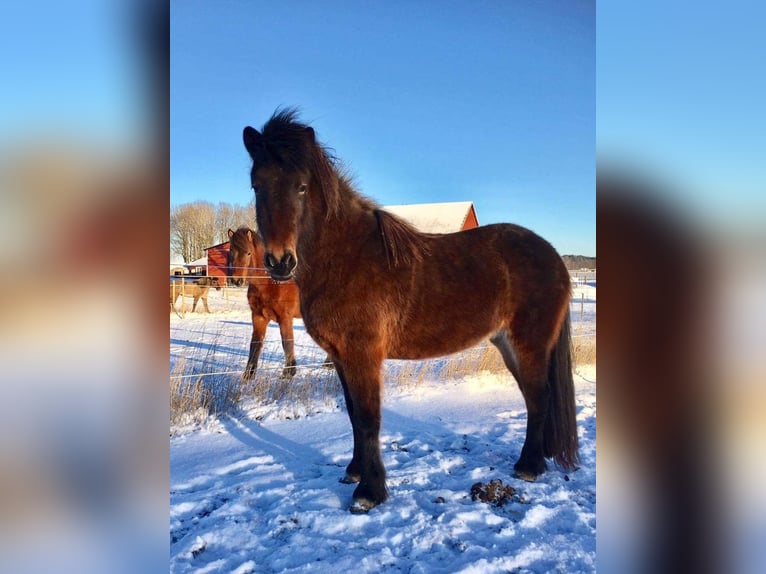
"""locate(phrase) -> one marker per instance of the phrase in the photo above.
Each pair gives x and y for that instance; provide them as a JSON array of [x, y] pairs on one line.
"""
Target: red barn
[[217, 261]]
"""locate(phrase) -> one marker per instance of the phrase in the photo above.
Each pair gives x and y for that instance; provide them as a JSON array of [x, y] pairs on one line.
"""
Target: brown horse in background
[[269, 300], [197, 288], [372, 287]]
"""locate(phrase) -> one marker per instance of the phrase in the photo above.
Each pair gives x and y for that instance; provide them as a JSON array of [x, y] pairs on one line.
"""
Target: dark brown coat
[[372, 287]]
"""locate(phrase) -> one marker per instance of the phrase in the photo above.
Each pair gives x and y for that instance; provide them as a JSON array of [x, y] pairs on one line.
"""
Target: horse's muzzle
[[282, 269]]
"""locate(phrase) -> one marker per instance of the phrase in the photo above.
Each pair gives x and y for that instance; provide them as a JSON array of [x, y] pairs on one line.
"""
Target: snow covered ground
[[257, 490]]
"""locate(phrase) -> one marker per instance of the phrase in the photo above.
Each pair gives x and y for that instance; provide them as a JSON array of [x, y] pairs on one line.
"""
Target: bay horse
[[197, 288], [373, 287], [269, 300]]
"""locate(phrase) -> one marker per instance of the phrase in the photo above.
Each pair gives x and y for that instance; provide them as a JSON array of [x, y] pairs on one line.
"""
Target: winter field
[[254, 468]]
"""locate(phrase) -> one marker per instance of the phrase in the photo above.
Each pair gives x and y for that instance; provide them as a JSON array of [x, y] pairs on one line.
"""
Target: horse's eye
[[302, 188]]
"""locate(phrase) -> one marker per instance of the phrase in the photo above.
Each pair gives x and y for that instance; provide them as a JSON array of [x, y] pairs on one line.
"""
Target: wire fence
[[230, 296], [209, 353], [216, 344], [206, 359]]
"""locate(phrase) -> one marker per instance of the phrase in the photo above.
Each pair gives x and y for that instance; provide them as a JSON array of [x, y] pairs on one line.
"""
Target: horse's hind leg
[[528, 368], [288, 345], [527, 360], [256, 344], [532, 380], [503, 344]]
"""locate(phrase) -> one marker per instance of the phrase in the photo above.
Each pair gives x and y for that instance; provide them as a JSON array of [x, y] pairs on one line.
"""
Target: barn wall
[[471, 220], [217, 260]]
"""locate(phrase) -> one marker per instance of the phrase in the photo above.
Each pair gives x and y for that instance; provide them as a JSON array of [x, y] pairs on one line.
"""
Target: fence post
[[582, 305]]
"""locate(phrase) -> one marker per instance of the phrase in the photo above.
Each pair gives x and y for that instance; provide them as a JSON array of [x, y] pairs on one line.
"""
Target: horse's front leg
[[288, 345], [362, 389], [256, 344], [354, 468]]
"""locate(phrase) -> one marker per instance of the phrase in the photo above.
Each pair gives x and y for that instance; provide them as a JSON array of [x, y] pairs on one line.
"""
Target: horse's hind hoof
[[529, 470], [528, 474], [525, 475], [362, 506], [350, 479]]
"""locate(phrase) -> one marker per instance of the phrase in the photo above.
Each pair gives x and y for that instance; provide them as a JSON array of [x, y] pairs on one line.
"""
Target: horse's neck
[[327, 246], [350, 225]]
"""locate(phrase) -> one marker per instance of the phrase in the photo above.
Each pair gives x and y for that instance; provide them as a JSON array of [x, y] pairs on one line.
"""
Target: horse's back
[[475, 282], [495, 259]]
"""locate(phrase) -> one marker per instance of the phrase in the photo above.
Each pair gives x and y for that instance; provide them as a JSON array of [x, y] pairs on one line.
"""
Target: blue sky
[[71, 69], [492, 102], [681, 95]]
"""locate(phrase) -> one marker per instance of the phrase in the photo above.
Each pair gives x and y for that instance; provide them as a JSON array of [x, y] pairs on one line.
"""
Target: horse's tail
[[560, 431]]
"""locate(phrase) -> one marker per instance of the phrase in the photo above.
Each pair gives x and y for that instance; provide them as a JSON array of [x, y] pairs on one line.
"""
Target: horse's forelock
[[240, 240], [292, 145]]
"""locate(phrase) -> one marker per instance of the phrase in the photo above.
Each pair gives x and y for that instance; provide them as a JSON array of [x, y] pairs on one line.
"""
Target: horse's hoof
[[529, 469], [529, 472], [362, 506], [526, 475], [350, 479]]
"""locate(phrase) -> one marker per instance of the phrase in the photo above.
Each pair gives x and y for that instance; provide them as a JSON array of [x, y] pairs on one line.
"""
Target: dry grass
[[480, 359], [584, 350], [309, 386], [203, 389], [197, 393], [203, 385]]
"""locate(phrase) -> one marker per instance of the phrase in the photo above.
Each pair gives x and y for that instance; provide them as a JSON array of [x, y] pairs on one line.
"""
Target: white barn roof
[[434, 217], [201, 262]]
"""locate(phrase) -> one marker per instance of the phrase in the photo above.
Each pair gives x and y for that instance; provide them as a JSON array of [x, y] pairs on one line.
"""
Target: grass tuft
[[205, 383]]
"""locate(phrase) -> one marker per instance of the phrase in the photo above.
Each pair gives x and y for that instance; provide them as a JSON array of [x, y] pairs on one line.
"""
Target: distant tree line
[[198, 225], [574, 262]]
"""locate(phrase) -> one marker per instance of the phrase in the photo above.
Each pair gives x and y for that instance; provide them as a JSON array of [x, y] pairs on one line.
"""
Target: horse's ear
[[231, 233], [310, 133], [252, 139], [249, 235]]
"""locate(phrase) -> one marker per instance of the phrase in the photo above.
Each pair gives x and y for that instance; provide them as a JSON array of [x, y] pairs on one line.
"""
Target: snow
[[258, 490]]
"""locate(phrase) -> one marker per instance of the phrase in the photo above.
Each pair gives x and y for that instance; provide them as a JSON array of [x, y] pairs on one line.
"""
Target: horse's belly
[[426, 345]]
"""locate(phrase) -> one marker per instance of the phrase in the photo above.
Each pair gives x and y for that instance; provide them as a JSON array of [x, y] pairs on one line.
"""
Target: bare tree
[[198, 225], [192, 228]]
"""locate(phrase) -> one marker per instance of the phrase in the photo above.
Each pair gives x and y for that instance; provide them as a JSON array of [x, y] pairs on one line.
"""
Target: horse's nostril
[[270, 260], [288, 260]]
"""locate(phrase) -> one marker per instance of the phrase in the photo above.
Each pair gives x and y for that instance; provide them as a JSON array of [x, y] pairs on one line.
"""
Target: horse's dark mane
[[242, 231], [402, 243], [292, 145]]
